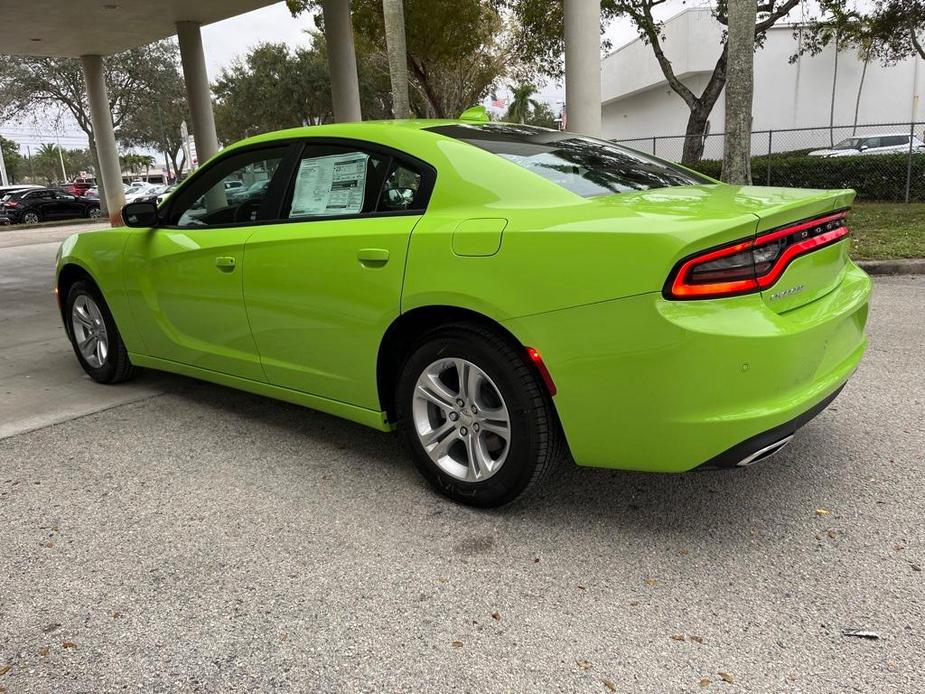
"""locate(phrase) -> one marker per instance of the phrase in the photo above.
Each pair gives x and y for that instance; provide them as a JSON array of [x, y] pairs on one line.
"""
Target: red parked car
[[77, 188]]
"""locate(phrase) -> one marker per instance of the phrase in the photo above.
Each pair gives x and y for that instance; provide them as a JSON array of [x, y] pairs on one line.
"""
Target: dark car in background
[[44, 205]]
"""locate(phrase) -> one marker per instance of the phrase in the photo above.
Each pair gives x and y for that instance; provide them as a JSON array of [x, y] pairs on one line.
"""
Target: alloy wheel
[[95, 212], [461, 419], [30, 218], [90, 331]]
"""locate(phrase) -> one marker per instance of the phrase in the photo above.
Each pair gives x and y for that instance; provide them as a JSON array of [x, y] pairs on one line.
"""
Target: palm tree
[[522, 103], [394, 16], [45, 162]]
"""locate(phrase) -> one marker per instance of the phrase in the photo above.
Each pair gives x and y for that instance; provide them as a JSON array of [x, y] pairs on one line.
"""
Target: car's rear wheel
[[94, 336], [94, 212], [480, 426], [31, 217]]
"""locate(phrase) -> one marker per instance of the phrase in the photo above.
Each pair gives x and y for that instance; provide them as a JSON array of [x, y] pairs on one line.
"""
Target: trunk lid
[[816, 273], [711, 215]]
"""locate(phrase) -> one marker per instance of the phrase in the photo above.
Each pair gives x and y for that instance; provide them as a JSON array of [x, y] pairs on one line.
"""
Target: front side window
[[582, 165], [336, 181], [208, 201]]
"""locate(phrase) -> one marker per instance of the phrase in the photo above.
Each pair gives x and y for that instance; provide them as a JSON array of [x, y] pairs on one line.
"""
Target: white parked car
[[137, 191], [165, 193], [872, 144]]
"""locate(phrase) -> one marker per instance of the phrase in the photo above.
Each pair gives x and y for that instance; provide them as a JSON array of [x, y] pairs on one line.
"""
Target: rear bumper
[[656, 385], [766, 443]]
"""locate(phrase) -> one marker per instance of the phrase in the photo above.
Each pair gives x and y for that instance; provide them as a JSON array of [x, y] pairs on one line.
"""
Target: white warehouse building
[[638, 103]]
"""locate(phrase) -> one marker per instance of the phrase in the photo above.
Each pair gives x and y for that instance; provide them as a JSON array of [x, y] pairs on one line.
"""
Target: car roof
[[359, 130]]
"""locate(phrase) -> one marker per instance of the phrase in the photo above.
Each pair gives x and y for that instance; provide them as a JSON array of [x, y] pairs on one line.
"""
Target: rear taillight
[[752, 265], [11, 203]]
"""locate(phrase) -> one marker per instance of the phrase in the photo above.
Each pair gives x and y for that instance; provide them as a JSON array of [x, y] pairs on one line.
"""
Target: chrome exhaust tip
[[765, 452]]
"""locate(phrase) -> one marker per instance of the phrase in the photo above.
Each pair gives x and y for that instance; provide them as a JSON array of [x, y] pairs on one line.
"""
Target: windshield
[[582, 165], [850, 143]]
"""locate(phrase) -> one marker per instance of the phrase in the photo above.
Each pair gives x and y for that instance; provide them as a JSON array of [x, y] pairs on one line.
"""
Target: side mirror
[[862, 148], [140, 214]]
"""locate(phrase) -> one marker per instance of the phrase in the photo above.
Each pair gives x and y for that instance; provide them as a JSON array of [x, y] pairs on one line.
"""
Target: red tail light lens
[[752, 265], [11, 203]]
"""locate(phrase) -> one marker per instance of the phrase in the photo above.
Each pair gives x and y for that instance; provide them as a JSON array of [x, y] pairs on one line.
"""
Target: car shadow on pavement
[[787, 484]]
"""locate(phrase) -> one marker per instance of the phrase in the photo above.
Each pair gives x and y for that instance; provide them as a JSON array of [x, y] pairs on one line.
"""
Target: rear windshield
[[582, 165]]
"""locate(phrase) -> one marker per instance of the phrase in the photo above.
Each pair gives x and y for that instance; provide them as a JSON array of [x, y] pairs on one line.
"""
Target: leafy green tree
[[542, 116], [899, 24], [12, 159], [77, 160], [274, 87], [270, 88], [456, 49], [46, 163], [42, 86], [135, 162], [522, 103], [540, 40], [157, 126]]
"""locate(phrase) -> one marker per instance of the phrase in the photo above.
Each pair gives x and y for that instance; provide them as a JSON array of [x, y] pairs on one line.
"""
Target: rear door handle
[[373, 257], [225, 263]]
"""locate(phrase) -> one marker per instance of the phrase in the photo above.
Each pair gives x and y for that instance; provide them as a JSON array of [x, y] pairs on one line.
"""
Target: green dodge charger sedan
[[505, 296]]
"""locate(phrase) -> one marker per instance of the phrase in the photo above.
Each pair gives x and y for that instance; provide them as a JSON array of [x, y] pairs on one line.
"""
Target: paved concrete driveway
[[200, 539]]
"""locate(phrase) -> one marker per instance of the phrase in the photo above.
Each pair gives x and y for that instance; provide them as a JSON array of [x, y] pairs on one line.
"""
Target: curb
[[56, 223], [905, 266]]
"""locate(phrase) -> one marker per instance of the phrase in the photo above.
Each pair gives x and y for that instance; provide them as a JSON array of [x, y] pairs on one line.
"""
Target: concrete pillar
[[342, 60], [110, 173], [197, 89], [583, 66]]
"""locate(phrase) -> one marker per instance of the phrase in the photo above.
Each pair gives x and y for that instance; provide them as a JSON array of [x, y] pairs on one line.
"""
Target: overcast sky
[[224, 41]]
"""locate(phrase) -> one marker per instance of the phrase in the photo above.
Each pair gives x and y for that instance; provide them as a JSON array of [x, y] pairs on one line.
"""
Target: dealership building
[[638, 103]]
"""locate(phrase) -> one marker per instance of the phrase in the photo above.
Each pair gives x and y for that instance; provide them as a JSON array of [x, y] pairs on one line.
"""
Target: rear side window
[[338, 181], [894, 140], [582, 165]]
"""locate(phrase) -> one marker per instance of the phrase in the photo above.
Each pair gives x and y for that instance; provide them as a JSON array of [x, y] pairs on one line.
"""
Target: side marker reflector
[[541, 367]]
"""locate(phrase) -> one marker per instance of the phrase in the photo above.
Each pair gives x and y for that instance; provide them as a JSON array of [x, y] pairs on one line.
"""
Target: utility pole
[[61, 157], [4, 181], [31, 164]]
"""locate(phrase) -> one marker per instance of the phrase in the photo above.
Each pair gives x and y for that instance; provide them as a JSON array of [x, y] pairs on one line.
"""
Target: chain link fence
[[882, 162]]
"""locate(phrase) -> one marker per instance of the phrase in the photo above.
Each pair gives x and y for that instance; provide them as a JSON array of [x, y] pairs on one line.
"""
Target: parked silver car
[[892, 143]]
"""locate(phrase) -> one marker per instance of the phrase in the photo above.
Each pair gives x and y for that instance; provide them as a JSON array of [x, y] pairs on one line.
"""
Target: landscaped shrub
[[880, 177]]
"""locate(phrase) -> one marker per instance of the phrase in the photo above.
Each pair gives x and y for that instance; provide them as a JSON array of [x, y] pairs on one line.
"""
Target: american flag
[[498, 103]]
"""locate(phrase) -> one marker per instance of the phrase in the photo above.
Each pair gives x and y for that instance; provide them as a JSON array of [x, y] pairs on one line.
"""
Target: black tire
[[38, 217], [536, 444], [94, 211], [116, 367]]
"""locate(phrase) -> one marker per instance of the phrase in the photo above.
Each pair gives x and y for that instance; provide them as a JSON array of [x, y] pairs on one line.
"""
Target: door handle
[[225, 263], [373, 257]]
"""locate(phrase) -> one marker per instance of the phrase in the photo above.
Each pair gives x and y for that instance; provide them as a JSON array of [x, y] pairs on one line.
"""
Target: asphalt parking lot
[[170, 535]]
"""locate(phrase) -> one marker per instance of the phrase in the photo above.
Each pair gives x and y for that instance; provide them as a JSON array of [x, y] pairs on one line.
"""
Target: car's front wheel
[[94, 336], [479, 423]]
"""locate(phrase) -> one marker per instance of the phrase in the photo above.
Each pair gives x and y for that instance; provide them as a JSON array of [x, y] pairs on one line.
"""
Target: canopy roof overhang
[[72, 28]]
